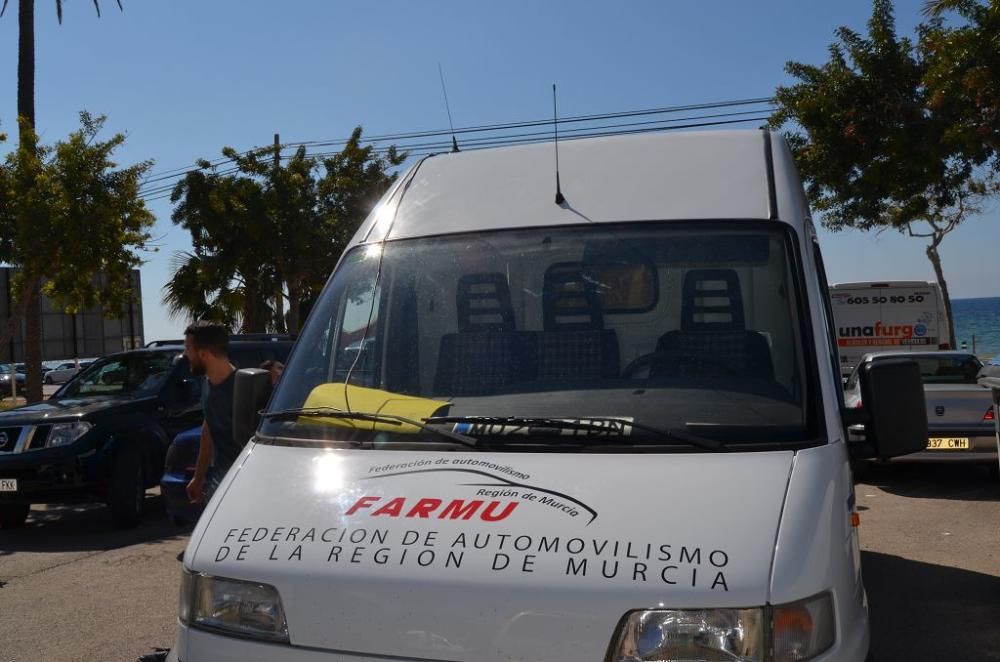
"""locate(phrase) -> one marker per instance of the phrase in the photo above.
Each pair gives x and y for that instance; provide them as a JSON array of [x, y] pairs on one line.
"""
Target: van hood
[[492, 556]]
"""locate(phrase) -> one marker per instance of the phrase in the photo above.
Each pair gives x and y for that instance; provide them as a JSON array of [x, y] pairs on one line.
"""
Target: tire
[[48, 380], [126, 492], [13, 515]]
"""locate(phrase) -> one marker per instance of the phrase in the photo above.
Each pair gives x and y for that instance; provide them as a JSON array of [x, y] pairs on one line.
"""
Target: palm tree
[[31, 294], [206, 287]]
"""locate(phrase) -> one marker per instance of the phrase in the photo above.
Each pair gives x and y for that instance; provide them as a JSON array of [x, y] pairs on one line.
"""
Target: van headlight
[[66, 433], [232, 606], [786, 633], [691, 635]]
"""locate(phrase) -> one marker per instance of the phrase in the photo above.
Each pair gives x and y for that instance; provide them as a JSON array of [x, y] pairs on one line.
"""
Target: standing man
[[206, 346]]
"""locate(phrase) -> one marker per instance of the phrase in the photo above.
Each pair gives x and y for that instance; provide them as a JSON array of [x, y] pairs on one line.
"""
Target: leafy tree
[[874, 151], [227, 277], [69, 214], [270, 233], [29, 301], [963, 76]]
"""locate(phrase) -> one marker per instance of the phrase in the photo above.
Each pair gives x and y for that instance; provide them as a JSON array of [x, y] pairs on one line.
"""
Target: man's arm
[[194, 488]]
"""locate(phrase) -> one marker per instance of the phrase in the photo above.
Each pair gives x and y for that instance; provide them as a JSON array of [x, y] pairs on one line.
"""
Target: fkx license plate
[[8, 484], [947, 443]]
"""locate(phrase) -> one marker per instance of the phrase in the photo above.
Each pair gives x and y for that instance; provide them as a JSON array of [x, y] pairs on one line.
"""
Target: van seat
[[574, 346], [713, 340], [486, 354]]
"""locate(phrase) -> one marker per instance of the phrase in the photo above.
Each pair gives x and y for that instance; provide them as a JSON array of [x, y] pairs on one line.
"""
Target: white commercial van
[[878, 316], [602, 425]]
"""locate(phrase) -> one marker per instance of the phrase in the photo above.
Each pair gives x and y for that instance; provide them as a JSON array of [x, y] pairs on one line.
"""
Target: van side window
[[828, 315], [357, 333]]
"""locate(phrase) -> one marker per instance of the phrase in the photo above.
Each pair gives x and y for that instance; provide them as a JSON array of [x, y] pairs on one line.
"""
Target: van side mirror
[[894, 413], [250, 394]]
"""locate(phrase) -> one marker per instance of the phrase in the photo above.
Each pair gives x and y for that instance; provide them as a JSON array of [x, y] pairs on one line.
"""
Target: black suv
[[103, 435]]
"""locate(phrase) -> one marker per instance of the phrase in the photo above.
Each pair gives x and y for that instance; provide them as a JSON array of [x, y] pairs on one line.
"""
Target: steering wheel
[[647, 360]]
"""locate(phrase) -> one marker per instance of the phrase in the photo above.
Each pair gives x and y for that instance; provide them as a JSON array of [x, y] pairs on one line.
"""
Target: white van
[[609, 428], [878, 316]]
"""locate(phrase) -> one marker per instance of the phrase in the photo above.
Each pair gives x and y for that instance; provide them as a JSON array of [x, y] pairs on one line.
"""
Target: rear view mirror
[[250, 394], [895, 416]]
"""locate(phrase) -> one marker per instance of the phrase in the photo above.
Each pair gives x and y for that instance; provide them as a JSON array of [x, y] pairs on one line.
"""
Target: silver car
[[960, 414], [64, 372]]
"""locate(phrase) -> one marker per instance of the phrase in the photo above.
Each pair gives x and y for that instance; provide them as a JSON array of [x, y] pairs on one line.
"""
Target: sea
[[978, 318]]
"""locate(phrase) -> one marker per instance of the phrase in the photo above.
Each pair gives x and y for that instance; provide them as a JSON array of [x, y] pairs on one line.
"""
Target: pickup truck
[[103, 436], [960, 415]]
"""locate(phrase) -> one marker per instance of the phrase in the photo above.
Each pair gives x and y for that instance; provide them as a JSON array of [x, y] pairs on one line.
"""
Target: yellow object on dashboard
[[370, 401]]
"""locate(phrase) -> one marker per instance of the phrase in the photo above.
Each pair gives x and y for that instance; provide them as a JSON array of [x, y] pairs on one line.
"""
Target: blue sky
[[185, 77]]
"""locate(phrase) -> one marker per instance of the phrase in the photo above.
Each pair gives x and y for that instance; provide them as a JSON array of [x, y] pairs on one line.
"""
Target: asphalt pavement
[[72, 589]]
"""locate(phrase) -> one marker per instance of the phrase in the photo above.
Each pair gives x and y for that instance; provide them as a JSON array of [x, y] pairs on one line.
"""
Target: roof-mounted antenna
[[447, 107], [555, 125]]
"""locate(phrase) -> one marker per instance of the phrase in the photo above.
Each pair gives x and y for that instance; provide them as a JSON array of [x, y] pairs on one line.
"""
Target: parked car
[[960, 414], [23, 369], [64, 372], [178, 469], [103, 436], [165, 343], [10, 380]]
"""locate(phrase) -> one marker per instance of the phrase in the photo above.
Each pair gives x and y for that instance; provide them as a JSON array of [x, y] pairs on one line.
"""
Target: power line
[[426, 149], [177, 173]]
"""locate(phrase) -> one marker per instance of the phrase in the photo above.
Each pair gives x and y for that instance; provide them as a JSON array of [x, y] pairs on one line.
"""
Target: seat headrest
[[712, 301], [569, 299], [483, 303]]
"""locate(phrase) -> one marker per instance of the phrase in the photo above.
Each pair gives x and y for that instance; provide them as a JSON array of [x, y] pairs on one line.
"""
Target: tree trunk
[[253, 308], [26, 61], [294, 304], [9, 327], [32, 300], [935, 258], [279, 311], [33, 344]]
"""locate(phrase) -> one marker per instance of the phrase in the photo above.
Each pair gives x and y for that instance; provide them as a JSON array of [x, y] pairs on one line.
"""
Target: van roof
[[655, 176]]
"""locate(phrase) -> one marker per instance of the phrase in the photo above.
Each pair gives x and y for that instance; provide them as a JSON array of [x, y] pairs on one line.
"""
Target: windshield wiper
[[590, 423], [390, 419]]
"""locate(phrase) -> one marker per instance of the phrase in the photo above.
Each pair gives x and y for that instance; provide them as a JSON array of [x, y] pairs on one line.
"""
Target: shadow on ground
[[921, 611], [86, 527], [962, 482]]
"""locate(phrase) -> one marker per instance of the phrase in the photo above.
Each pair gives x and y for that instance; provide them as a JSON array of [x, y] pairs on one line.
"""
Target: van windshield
[[696, 327]]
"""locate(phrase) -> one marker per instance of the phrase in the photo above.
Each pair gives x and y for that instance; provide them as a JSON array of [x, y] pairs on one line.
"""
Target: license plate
[[947, 443], [8, 484]]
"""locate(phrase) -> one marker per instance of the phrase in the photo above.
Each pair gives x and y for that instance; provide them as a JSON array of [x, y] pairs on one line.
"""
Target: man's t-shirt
[[218, 405]]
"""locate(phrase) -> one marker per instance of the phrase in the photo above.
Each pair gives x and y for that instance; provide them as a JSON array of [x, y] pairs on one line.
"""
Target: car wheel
[[48, 380], [126, 491], [13, 515]]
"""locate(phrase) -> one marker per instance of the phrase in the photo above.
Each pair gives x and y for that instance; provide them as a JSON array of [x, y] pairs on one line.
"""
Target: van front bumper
[[193, 645]]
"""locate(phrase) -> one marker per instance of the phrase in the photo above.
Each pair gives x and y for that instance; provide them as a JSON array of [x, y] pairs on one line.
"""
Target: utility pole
[[279, 303]]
